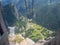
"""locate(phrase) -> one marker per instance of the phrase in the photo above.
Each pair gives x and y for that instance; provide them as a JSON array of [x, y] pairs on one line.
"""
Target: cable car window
[[36, 20]]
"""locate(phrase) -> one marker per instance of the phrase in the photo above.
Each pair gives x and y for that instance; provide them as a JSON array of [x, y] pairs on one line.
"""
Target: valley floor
[[26, 41]]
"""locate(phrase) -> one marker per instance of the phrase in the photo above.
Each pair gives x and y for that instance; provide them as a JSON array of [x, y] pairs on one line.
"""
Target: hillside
[[48, 16]]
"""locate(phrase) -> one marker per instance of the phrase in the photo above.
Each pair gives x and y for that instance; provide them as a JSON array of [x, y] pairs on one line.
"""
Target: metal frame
[[4, 37]]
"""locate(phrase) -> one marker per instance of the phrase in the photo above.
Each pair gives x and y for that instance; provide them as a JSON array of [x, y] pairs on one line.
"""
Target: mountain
[[36, 2], [9, 14], [45, 15], [20, 4], [5, 2], [48, 16]]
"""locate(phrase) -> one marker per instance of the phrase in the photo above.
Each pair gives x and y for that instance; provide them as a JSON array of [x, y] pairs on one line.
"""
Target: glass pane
[[35, 21]]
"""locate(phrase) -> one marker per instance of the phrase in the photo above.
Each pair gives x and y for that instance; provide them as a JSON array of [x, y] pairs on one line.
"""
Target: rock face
[[23, 42], [27, 41]]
